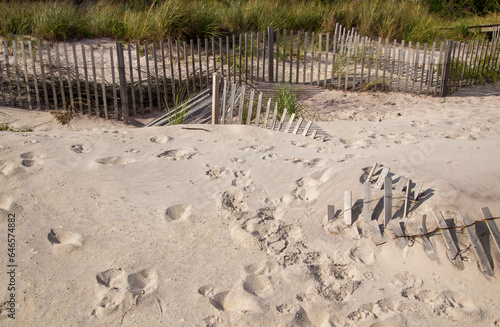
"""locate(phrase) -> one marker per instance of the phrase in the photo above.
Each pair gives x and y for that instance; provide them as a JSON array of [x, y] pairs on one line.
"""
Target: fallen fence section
[[406, 230]]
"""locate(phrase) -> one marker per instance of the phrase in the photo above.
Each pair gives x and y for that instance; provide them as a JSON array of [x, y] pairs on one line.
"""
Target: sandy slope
[[226, 226]]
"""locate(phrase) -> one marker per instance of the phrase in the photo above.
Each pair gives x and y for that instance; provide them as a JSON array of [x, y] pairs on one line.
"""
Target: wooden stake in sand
[[492, 226], [448, 240], [381, 178], [215, 98], [398, 232], [387, 200], [367, 210], [348, 208], [476, 244]]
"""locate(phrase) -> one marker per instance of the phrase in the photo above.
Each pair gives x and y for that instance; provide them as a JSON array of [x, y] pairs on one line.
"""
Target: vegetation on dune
[[155, 20]]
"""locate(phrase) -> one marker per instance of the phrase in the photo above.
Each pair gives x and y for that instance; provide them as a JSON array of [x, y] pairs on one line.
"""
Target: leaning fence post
[[270, 41], [123, 81], [215, 99], [446, 69]]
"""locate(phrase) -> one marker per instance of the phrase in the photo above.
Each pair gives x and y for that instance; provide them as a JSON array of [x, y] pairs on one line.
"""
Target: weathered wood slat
[[240, 45], [251, 56], [407, 199], [87, 87], [94, 76], [242, 102], [377, 235], [228, 58], [33, 66], [476, 244], [313, 39], [200, 66], [53, 82], [298, 59], [259, 108], [289, 125], [439, 67], [372, 171], [387, 200], [277, 42], [495, 233], [18, 79], [250, 107], [103, 81], [186, 61], [7, 68], [367, 203], [313, 134], [266, 116], [399, 233], [224, 102], [400, 185], [221, 57], [131, 72], [232, 102], [326, 58], [139, 74], [4, 102], [193, 64], [306, 129], [26, 78], [282, 120], [330, 213], [297, 126], [115, 98], [234, 59], [305, 59], [284, 57], [275, 116], [148, 77], [348, 208], [291, 57], [363, 54], [157, 78], [448, 240], [77, 75], [120, 59], [381, 178], [320, 55]]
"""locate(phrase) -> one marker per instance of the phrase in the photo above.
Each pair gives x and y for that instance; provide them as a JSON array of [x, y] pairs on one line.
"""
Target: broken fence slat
[[290, 123], [387, 200], [306, 129], [492, 226], [381, 178], [372, 171], [448, 240], [297, 126], [348, 208], [377, 235], [476, 244], [367, 211], [398, 231]]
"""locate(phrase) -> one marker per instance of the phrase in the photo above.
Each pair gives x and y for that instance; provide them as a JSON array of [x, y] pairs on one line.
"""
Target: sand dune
[[227, 226]]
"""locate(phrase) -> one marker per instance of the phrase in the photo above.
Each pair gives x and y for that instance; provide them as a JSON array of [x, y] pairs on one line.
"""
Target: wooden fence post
[[270, 47], [446, 69], [123, 81], [215, 98]]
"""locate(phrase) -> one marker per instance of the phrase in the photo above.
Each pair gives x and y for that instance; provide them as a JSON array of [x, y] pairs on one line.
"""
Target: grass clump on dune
[[155, 20]]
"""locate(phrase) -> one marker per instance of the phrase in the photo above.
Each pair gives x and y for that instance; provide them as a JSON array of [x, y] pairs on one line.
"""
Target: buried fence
[[405, 228], [125, 79]]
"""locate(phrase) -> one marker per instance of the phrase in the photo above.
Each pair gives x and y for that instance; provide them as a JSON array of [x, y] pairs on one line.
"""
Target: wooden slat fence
[[240, 104], [127, 79]]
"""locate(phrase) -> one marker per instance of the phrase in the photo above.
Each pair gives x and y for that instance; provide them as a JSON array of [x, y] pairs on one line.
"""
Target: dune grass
[[154, 20]]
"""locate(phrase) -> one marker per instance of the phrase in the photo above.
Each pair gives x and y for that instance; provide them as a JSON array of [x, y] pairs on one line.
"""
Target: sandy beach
[[205, 225]]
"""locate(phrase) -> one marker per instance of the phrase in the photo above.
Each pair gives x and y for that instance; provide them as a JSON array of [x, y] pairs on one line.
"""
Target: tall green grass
[[160, 19]]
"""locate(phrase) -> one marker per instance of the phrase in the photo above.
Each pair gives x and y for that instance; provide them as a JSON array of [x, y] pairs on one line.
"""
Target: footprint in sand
[[6, 204], [258, 285], [307, 187], [161, 139], [120, 292], [317, 162], [179, 154], [362, 254], [80, 148], [10, 169], [65, 237], [258, 148], [30, 159], [216, 173], [271, 157], [177, 212], [232, 201], [236, 300], [114, 160], [301, 144]]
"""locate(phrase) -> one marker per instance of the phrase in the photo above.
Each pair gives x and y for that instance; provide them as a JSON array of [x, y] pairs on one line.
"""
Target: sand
[[227, 226]]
